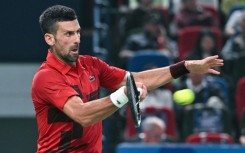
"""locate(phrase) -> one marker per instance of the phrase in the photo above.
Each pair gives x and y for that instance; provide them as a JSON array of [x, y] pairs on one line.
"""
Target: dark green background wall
[[18, 135], [21, 39]]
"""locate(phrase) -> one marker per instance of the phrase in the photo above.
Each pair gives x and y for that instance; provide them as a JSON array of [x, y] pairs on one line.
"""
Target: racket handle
[[140, 90]]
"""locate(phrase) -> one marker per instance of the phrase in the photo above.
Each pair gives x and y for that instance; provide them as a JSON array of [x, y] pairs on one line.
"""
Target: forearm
[[154, 78], [91, 112], [98, 110]]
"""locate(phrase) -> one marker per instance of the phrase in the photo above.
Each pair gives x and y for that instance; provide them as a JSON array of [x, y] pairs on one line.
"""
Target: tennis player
[[65, 89]]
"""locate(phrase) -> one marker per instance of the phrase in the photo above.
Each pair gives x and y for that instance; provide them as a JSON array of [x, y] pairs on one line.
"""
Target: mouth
[[74, 50]]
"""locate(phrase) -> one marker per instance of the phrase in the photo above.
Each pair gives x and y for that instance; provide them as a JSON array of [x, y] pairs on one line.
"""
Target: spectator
[[135, 18], [235, 46], [206, 45], [133, 21], [206, 93], [202, 88], [153, 131], [192, 14], [176, 4], [232, 25], [159, 98], [242, 139], [151, 37]]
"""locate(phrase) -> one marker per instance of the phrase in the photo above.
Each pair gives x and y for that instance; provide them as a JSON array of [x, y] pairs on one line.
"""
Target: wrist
[[179, 69], [119, 98]]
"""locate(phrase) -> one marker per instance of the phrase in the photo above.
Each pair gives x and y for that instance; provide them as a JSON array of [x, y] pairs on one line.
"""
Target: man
[[65, 89], [150, 37], [193, 14], [235, 47], [153, 129], [135, 18]]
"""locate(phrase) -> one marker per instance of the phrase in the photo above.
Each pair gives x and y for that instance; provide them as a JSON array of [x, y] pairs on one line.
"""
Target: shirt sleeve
[[50, 87]]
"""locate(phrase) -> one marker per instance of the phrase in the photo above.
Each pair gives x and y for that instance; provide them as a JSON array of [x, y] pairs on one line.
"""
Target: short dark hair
[[55, 14]]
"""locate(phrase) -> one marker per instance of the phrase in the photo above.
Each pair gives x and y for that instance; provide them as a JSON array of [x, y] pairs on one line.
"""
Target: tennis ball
[[184, 96]]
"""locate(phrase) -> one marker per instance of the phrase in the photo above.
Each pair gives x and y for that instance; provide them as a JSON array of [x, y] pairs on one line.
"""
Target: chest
[[85, 82]]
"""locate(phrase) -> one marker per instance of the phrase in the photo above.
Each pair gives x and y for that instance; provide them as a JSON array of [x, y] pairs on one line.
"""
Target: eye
[[79, 32], [68, 34]]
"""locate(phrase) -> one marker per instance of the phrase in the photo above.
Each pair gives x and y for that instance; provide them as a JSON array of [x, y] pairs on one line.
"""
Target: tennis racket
[[134, 99]]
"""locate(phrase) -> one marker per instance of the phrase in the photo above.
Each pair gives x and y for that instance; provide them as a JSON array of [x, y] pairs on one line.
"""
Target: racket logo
[[91, 78]]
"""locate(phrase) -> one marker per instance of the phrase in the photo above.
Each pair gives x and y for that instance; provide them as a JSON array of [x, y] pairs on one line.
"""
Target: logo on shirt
[[118, 102], [91, 78]]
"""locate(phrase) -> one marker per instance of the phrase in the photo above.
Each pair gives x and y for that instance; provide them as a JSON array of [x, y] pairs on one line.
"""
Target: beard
[[69, 58]]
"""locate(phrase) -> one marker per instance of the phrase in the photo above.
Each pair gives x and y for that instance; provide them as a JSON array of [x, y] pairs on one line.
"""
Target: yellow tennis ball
[[184, 96]]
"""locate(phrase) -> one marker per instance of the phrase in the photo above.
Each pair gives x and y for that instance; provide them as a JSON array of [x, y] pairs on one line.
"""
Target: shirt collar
[[56, 63]]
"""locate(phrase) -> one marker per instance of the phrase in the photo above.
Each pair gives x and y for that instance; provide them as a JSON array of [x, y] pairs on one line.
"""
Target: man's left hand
[[205, 65]]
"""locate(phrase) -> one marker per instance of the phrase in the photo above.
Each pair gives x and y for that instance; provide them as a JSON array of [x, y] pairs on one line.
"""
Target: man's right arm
[[88, 113], [94, 111]]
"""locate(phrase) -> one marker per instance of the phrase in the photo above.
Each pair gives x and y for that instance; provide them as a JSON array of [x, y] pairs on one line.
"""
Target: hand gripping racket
[[134, 99]]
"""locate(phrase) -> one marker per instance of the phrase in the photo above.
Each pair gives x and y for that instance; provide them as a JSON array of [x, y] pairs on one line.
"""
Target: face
[[65, 44], [154, 29], [154, 135], [207, 43]]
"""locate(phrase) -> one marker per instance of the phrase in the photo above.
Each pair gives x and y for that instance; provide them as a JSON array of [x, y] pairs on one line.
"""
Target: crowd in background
[[185, 30]]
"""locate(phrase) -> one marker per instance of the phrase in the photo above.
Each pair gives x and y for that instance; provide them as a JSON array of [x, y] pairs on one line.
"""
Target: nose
[[77, 38]]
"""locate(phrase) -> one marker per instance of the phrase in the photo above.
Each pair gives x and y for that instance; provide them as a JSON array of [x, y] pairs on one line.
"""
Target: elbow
[[85, 123], [76, 111]]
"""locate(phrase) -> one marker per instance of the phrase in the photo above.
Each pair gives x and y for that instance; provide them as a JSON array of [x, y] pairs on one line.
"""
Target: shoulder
[[87, 60], [45, 75], [46, 70], [92, 63]]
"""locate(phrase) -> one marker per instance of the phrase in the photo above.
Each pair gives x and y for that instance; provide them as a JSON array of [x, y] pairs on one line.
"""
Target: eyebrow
[[72, 30]]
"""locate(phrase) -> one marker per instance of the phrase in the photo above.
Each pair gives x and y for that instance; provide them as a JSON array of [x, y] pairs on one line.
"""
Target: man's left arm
[[155, 78]]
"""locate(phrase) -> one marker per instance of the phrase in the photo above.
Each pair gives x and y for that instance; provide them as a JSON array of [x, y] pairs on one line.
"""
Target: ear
[[49, 38]]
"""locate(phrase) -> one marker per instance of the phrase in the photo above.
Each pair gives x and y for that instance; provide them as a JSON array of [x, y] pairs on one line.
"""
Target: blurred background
[[137, 35]]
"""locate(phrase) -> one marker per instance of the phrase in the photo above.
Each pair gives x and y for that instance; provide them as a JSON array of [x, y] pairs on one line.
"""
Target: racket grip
[[140, 90]]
